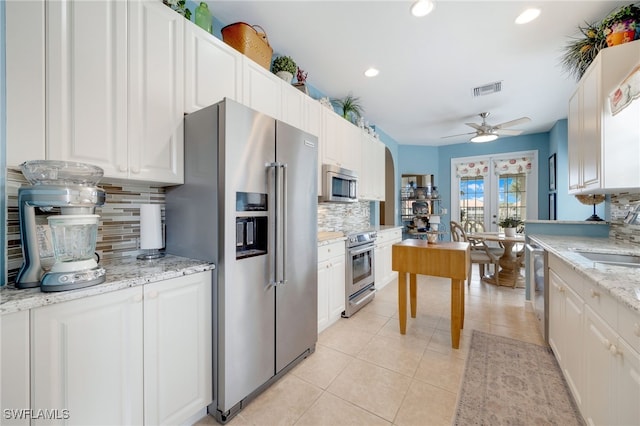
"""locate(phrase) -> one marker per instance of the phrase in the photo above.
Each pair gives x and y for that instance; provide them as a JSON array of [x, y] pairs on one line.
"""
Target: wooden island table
[[442, 259]]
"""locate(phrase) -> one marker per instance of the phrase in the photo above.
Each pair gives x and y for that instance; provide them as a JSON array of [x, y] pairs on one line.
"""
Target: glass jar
[[203, 17]]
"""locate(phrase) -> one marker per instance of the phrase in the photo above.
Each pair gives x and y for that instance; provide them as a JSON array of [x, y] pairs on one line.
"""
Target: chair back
[[473, 226], [457, 232]]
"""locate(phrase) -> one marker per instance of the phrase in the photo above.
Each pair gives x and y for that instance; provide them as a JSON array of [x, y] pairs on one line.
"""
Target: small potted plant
[[510, 224], [301, 76], [350, 106], [581, 51], [620, 25], [284, 67]]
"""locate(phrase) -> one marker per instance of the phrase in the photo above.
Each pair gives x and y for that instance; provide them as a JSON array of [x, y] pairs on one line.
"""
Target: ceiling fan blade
[[511, 123], [461, 134], [474, 125], [507, 132]]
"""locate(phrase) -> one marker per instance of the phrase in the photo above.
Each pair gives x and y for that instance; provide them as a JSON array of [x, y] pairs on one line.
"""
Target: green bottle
[[203, 17]]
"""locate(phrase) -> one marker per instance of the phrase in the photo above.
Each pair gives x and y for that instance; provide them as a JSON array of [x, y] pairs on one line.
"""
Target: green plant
[[179, 6], [284, 63], [510, 222], [350, 106], [580, 52]]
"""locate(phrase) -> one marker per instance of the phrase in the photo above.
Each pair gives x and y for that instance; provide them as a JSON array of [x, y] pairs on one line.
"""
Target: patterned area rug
[[509, 382]]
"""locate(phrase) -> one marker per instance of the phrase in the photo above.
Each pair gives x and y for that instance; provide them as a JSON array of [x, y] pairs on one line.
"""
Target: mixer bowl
[[51, 172], [73, 237]]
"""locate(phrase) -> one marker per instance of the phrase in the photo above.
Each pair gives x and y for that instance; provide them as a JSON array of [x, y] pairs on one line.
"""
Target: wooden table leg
[[402, 301], [462, 291], [413, 294], [456, 312]]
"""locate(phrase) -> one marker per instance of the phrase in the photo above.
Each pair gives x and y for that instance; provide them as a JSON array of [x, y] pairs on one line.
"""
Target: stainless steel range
[[360, 283]]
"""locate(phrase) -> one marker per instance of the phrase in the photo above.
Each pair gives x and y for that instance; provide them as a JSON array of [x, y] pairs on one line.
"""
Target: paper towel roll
[[150, 226]]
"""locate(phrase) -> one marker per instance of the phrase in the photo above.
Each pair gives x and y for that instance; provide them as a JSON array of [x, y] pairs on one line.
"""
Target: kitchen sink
[[611, 258]]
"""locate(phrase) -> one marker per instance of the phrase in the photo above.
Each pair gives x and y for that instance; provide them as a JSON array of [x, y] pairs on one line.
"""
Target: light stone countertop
[[121, 273], [622, 282]]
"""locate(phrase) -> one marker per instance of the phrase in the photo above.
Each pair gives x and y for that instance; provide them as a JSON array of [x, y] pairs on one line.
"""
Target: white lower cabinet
[[134, 356], [384, 241], [586, 329], [14, 354], [331, 283]]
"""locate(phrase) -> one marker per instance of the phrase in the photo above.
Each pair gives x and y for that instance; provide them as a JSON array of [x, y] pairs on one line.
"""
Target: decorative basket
[[249, 41]]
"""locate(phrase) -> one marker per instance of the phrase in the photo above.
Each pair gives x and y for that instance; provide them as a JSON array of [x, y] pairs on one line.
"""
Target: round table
[[509, 273]]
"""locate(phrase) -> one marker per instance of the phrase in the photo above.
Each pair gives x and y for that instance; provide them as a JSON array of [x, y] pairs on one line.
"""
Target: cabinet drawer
[[629, 326], [331, 250], [601, 302], [388, 236], [571, 277]]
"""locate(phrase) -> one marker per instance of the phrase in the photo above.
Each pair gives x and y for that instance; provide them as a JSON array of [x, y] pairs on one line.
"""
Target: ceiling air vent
[[487, 89]]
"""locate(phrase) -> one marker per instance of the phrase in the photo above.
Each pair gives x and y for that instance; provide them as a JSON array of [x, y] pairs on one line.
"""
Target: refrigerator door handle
[[284, 227], [272, 172]]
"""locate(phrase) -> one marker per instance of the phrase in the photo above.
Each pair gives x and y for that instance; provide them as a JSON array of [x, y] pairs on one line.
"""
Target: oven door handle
[[360, 249]]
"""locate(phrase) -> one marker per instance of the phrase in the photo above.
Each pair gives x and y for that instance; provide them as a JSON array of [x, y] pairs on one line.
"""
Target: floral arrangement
[[301, 76]]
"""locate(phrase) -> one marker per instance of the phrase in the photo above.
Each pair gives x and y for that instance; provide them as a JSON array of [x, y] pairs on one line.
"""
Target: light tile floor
[[364, 372]]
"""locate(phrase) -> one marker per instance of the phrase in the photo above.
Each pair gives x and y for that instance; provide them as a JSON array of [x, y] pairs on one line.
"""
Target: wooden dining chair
[[480, 252]]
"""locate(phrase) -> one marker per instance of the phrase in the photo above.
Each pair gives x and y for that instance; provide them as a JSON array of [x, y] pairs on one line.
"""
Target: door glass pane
[[512, 196], [472, 199]]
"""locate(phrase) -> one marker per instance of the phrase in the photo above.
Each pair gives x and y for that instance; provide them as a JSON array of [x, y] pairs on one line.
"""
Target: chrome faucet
[[633, 215]]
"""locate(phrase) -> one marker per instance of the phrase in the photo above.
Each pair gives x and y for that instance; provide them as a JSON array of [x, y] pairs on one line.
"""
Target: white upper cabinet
[[293, 106], [25, 81], [87, 83], [372, 169], [156, 92], [213, 69], [262, 90], [115, 90], [341, 142], [603, 139]]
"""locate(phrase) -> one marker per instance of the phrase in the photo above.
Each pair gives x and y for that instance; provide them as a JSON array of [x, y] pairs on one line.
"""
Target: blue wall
[[567, 206]]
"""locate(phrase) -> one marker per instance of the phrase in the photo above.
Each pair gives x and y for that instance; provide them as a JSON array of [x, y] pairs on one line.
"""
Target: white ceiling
[[429, 66]]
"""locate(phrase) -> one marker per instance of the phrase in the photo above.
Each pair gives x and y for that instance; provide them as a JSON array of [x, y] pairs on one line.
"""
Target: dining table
[[510, 260]]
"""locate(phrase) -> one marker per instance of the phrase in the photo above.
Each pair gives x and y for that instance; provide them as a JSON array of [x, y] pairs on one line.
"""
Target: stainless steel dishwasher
[[539, 286]]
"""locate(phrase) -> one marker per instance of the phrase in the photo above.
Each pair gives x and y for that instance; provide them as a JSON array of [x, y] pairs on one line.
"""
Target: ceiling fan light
[[484, 137], [528, 16], [422, 8]]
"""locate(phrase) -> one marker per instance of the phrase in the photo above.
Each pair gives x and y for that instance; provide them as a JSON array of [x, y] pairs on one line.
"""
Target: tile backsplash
[[618, 207], [344, 217]]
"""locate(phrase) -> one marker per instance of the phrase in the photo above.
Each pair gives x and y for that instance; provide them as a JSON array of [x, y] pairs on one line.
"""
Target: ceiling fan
[[487, 133]]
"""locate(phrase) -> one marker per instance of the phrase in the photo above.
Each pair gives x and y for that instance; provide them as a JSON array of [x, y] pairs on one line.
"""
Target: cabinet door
[[323, 295], [261, 90], [352, 149], [573, 343], [25, 80], [599, 385], [87, 83], [293, 105], [591, 128], [156, 92], [575, 140], [213, 70], [379, 166], [177, 343], [336, 288], [627, 384], [15, 365], [178, 348], [556, 308], [87, 358]]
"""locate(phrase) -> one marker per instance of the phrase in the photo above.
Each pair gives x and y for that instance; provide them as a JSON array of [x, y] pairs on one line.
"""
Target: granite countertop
[[622, 282], [330, 237], [121, 273]]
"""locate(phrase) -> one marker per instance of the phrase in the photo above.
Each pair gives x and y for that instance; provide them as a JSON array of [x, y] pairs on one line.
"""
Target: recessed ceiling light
[[422, 7], [528, 16], [371, 72]]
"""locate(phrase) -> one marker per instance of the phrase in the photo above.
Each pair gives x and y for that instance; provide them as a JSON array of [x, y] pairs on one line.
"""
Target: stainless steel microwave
[[339, 185]]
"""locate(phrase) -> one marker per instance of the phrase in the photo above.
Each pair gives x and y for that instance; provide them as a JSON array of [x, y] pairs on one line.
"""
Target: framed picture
[[552, 173], [552, 206]]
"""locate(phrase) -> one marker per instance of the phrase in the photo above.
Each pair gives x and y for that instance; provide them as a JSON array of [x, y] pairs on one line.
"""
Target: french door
[[490, 188]]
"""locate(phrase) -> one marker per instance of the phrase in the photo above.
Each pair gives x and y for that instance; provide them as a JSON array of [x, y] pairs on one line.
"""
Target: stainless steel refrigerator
[[248, 205]]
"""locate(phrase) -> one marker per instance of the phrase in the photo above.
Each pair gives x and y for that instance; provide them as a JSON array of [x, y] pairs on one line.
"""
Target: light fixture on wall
[[421, 8], [484, 137]]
